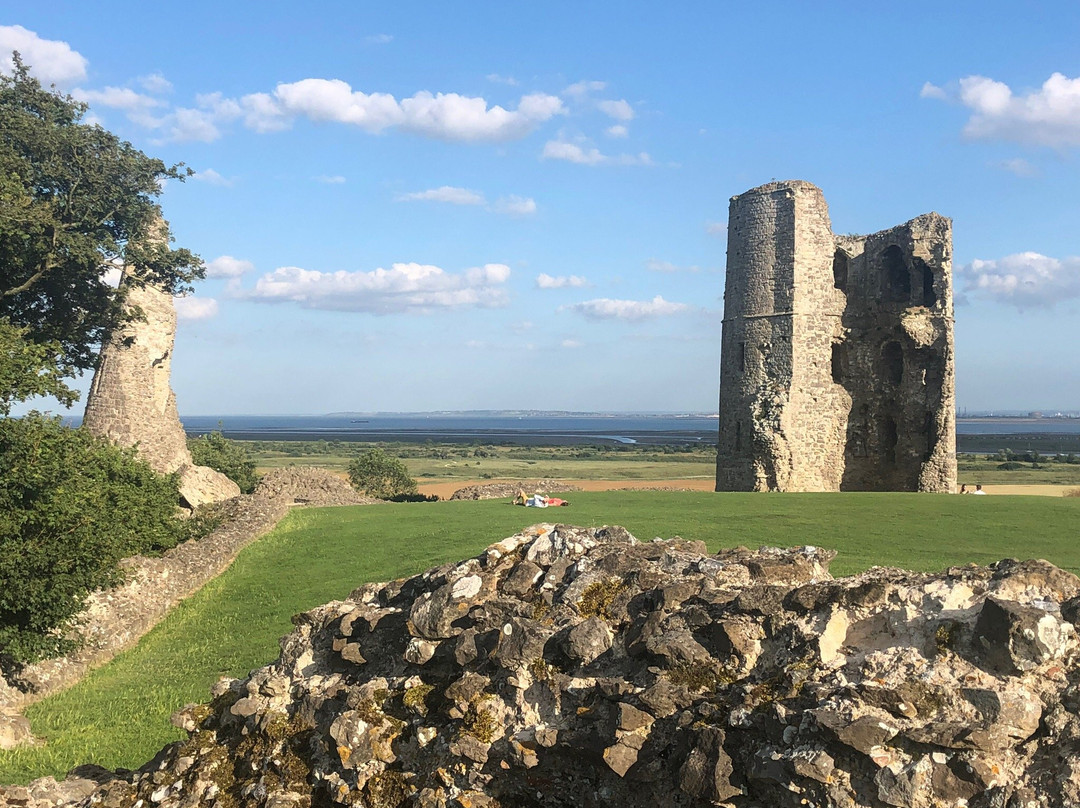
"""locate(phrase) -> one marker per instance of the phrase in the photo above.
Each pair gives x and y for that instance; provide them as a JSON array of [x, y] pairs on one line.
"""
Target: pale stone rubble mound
[[307, 485], [578, 667], [501, 490], [131, 403]]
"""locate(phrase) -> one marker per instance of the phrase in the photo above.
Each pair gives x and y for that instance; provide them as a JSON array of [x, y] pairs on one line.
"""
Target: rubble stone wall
[[132, 404], [836, 365]]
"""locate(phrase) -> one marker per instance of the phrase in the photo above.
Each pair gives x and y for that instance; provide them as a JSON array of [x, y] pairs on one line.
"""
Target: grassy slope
[[118, 716]]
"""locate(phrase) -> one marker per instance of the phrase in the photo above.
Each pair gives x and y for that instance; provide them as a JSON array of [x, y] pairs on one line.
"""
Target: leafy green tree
[[71, 506], [227, 456], [379, 475], [75, 200], [30, 369]]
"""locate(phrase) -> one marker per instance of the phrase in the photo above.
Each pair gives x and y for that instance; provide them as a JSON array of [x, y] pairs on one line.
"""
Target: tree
[[71, 506], [75, 200], [30, 369], [227, 456], [378, 475]]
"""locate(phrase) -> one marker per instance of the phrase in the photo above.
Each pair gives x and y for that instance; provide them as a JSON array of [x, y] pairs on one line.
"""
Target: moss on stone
[[387, 789], [598, 596], [415, 698]]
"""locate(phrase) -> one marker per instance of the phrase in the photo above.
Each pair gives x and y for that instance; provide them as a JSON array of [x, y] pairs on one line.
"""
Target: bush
[[71, 506], [378, 475], [227, 456], [414, 498], [1011, 465]]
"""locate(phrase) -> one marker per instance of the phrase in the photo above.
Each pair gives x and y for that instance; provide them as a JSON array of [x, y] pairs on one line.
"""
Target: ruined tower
[[836, 363], [131, 403]]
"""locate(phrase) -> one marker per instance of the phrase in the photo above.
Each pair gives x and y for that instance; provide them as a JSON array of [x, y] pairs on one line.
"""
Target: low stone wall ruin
[[116, 619]]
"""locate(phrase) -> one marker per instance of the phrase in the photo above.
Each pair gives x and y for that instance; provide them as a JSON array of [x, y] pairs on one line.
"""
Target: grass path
[[118, 716]]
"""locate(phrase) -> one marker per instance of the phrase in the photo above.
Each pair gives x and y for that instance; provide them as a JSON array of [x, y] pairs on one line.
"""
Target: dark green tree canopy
[[75, 200]]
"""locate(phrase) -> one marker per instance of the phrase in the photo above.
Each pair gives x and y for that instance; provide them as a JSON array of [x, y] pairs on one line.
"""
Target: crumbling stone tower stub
[[836, 363], [131, 403]]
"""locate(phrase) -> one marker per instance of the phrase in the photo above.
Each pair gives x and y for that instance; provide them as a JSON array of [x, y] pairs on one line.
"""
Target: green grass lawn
[[119, 715]]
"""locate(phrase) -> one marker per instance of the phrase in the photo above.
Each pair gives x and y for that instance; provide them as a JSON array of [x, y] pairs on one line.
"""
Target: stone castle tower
[[131, 403], [836, 364]]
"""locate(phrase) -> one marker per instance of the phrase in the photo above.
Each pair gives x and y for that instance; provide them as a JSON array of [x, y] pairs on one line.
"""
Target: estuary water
[[548, 429]]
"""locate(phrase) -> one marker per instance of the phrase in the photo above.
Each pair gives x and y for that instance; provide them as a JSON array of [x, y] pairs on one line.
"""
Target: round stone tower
[[781, 415]]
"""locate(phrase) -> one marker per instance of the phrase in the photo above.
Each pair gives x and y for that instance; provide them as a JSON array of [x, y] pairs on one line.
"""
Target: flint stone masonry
[[569, 667], [836, 368], [131, 403]]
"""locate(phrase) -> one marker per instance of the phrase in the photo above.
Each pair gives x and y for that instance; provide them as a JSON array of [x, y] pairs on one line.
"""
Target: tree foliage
[[379, 475], [71, 506], [74, 201], [227, 456], [30, 369]]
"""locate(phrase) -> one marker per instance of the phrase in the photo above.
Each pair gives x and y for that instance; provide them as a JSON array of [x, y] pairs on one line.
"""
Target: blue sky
[[420, 206]]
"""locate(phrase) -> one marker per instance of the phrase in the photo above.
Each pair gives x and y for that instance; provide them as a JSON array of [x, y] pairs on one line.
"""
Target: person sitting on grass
[[978, 490]]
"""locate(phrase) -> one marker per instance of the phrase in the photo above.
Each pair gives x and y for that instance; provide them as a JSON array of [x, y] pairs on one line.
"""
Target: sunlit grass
[[119, 715]]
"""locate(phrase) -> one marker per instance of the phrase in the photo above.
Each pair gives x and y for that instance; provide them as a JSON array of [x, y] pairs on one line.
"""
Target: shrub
[[71, 506], [379, 475], [414, 498], [227, 456], [1010, 465]]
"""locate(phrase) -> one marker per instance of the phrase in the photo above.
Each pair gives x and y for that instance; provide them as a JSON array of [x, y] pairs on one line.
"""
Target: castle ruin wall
[[837, 351]]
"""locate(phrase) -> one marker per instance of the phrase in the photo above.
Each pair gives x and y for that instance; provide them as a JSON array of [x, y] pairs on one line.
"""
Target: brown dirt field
[[445, 489]]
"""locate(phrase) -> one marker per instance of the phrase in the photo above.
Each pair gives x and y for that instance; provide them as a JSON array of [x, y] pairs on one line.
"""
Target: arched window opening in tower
[[889, 438], [929, 296], [839, 357], [896, 279], [840, 270], [892, 362]]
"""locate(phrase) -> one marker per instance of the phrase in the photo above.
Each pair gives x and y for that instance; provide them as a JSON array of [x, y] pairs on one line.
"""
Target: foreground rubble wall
[[578, 667]]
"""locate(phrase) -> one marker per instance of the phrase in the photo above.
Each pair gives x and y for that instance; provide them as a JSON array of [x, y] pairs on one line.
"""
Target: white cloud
[[402, 288], [716, 228], [447, 193], [445, 116], [656, 265], [379, 39], [211, 177], [932, 91], [155, 83], [117, 98], [49, 60], [186, 124], [545, 281], [1047, 116], [1018, 166], [226, 266], [619, 110], [590, 156], [618, 130], [195, 308], [330, 179], [572, 343], [582, 88], [495, 78], [630, 310], [1024, 280], [515, 205]]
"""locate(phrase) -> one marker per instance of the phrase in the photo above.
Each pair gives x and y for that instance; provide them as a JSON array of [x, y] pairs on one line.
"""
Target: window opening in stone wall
[[840, 270], [889, 439], [838, 360], [892, 362], [929, 296], [896, 280], [742, 357], [930, 428], [738, 436]]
